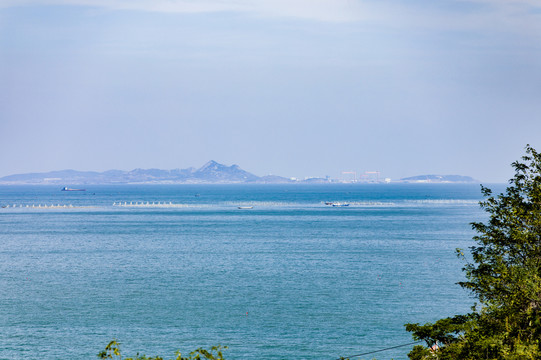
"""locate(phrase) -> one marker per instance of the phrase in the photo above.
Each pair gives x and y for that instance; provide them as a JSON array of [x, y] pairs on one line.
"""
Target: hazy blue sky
[[288, 87]]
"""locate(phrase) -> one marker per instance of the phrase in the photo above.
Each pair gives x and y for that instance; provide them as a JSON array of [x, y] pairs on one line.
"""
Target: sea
[[270, 271]]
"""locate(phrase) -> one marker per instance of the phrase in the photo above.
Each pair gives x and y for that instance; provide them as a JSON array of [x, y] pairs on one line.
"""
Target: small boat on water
[[336, 204], [245, 207], [65, 188]]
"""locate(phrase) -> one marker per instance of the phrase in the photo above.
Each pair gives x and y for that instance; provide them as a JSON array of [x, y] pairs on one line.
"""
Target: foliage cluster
[[112, 351], [504, 276]]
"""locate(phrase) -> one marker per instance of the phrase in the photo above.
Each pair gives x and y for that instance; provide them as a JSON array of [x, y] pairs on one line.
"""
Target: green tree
[[112, 351], [504, 276]]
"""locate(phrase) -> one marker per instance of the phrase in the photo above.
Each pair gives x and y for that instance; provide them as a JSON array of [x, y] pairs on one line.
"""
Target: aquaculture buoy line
[[38, 206], [149, 204], [139, 204], [123, 204]]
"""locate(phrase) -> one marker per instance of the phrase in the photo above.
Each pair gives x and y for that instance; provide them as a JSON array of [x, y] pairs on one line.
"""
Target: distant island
[[439, 179], [210, 173]]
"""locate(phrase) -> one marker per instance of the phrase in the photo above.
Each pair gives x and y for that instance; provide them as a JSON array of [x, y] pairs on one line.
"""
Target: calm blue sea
[[291, 278]]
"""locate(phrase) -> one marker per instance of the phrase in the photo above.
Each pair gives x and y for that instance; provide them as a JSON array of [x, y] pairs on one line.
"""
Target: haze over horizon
[[293, 88]]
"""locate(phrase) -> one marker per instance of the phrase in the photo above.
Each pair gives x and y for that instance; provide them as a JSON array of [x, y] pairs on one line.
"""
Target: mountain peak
[[214, 171], [211, 165]]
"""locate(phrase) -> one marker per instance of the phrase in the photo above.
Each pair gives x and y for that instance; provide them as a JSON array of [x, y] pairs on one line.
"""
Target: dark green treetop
[[112, 351], [504, 276]]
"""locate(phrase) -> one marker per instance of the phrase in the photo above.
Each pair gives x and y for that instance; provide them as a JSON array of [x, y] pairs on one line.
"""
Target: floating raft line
[[153, 204], [40, 206]]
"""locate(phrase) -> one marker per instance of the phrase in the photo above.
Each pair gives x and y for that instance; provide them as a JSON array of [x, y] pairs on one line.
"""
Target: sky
[[296, 88]]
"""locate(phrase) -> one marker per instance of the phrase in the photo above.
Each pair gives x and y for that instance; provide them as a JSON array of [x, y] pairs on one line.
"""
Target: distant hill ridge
[[211, 172], [440, 178]]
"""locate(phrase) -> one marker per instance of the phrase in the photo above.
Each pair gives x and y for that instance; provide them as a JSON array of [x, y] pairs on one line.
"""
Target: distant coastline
[[210, 173]]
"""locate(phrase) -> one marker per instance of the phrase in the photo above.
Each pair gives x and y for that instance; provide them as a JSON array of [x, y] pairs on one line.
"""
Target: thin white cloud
[[325, 10], [522, 16]]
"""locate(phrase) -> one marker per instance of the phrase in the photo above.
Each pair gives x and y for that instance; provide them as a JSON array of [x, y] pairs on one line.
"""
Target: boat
[[245, 207], [65, 188], [336, 204]]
